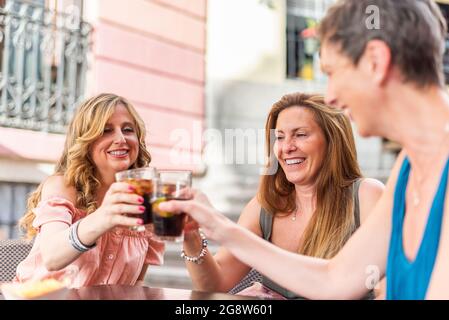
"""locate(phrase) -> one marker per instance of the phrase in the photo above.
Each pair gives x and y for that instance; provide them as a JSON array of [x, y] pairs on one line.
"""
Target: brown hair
[[333, 220], [414, 30], [75, 164]]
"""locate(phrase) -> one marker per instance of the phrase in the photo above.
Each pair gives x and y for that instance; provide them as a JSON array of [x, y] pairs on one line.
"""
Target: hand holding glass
[[171, 185], [142, 180]]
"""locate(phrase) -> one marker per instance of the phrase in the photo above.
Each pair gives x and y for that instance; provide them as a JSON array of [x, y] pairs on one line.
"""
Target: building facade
[[57, 52]]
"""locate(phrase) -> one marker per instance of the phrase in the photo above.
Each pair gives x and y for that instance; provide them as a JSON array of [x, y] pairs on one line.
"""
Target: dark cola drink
[[167, 225], [144, 188], [142, 179]]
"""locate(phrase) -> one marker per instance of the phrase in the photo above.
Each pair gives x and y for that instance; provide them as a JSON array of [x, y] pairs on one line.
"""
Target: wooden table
[[119, 292], [127, 302]]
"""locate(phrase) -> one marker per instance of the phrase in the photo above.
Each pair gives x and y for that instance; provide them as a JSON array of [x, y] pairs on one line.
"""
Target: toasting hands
[[201, 213]]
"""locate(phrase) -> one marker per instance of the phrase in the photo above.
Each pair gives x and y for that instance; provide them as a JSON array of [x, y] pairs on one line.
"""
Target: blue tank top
[[408, 280]]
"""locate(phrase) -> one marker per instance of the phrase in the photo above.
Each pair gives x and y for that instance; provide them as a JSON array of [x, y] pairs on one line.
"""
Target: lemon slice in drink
[[155, 207]]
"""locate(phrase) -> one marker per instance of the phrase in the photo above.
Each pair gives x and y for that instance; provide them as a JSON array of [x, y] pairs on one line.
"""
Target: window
[[13, 197], [43, 62], [302, 44]]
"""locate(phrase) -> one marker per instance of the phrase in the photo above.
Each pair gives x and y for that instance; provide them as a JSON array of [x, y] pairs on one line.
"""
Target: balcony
[[43, 65]]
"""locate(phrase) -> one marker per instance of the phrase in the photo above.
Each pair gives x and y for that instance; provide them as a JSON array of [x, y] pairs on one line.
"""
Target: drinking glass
[[170, 185], [142, 179]]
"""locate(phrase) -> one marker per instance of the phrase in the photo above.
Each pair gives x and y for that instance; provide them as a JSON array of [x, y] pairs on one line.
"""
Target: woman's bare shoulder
[[370, 192], [371, 187], [249, 218], [373, 191], [56, 186]]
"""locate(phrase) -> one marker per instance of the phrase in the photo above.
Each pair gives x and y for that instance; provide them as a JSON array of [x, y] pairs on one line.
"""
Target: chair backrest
[[247, 281], [12, 252]]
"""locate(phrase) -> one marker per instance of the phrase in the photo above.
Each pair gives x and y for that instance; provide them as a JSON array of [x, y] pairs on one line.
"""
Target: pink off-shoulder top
[[117, 258]]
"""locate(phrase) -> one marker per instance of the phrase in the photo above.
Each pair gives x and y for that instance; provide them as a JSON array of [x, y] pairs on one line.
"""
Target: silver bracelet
[[199, 258], [75, 241]]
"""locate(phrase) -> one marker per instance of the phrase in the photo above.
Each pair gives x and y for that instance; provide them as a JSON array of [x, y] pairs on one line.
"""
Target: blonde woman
[[312, 204], [76, 215]]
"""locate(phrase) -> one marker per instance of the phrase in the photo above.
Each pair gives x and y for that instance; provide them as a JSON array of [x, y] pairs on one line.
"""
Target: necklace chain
[[295, 211], [416, 185]]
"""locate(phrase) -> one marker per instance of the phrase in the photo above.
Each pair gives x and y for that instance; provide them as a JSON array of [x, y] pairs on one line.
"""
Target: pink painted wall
[[153, 53], [30, 145]]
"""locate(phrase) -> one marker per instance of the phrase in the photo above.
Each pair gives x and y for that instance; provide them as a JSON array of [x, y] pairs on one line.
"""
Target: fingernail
[[142, 208], [131, 188], [140, 222], [140, 199]]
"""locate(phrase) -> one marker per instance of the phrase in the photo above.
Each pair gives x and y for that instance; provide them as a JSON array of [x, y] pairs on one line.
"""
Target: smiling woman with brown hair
[[313, 202], [331, 169]]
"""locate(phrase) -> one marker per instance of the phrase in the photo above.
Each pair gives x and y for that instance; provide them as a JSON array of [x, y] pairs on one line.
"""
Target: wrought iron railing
[[43, 65]]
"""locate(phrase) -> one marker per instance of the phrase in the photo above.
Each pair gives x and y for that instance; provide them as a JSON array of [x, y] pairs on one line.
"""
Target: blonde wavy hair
[[333, 220], [75, 164]]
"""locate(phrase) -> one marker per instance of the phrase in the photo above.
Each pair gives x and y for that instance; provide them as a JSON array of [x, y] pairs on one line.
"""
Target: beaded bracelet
[[75, 241], [198, 259]]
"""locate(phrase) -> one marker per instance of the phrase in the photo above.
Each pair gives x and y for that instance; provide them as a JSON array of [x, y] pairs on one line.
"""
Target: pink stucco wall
[[26, 144], [153, 53]]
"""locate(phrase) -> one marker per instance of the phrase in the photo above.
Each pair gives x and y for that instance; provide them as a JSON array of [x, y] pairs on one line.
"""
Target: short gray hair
[[414, 30]]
